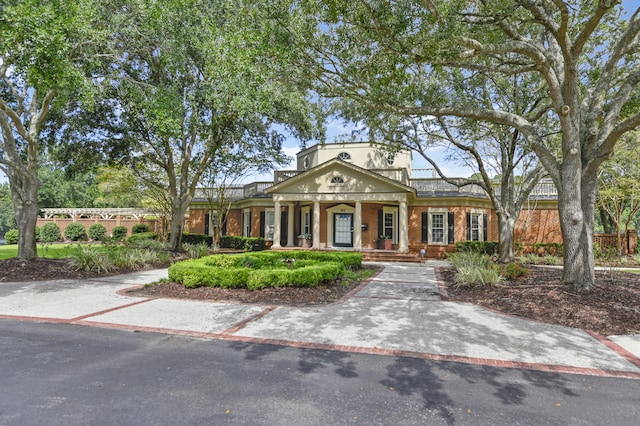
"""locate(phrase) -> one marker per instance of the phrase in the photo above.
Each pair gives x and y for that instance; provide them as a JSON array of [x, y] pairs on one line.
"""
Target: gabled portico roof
[[323, 179]]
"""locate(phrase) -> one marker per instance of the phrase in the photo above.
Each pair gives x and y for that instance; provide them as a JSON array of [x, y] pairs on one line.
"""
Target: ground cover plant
[[265, 269]]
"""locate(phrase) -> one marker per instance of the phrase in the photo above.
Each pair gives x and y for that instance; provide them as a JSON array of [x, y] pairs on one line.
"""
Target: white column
[[316, 225], [403, 213], [357, 227], [277, 215], [290, 219]]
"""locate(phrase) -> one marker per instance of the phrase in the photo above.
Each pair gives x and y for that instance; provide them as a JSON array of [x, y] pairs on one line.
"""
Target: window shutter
[[468, 226], [425, 227], [284, 226], [380, 224], [207, 217], [262, 223], [450, 228], [484, 227], [224, 224]]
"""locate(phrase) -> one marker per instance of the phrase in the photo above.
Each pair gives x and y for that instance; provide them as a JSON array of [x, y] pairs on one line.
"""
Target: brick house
[[348, 195]]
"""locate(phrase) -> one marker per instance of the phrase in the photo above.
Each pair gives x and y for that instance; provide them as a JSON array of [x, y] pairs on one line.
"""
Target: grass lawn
[[52, 251]]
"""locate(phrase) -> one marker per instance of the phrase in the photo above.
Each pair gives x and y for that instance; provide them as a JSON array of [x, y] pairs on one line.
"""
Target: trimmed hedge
[[243, 243], [75, 232], [351, 260], [119, 232], [189, 238], [483, 247], [97, 232], [140, 228], [50, 232], [268, 269], [136, 238]]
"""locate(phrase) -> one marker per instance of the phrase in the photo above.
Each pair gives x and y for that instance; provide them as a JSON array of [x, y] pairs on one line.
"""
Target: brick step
[[389, 256]]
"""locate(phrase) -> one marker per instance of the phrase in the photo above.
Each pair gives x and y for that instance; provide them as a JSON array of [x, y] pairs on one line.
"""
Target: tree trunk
[[24, 194], [576, 202], [506, 225], [177, 225]]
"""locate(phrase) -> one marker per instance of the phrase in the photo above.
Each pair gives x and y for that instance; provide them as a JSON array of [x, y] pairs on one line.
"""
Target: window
[[476, 226], [388, 222], [337, 180], [306, 162], [439, 227], [305, 220], [345, 156], [391, 159], [269, 223], [246, 223]]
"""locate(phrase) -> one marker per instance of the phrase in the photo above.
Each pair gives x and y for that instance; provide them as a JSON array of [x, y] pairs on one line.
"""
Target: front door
[[343, 229]]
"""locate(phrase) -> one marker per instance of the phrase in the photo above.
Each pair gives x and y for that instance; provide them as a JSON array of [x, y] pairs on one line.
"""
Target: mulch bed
[[611, 307]]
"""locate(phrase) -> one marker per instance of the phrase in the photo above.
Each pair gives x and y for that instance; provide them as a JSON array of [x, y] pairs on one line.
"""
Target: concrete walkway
[[399, 312]]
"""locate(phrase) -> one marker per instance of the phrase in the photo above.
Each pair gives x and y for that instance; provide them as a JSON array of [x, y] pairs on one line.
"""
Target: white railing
[[282, 175], [255, 188], [106, 213], [545, 188]]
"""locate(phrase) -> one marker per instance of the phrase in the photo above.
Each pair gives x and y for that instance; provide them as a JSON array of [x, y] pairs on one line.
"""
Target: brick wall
[[109, 224], [538, 226], [542, 225]]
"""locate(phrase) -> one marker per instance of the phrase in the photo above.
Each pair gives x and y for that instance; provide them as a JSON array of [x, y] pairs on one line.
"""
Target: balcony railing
[[255, 188], [544, 189]]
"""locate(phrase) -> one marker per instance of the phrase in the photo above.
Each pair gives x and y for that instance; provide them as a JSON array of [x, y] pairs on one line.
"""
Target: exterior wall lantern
[[364, 226]]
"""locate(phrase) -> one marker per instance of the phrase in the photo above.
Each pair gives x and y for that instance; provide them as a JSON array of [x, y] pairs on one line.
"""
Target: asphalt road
[[60, 374]]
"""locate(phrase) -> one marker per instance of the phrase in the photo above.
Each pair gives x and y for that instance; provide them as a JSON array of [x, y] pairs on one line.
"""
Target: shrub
[[11, 236], [119, 232], [513, 270], [98, 232], [138, 238], [140, 228], [243, 243], [188, 238], [534, 259], [37, 233], [553, 249], [484, 247], [105, 259], [265, 269], [196, 251], [50, 232], [474, 268], [75, 232], [89, 258]]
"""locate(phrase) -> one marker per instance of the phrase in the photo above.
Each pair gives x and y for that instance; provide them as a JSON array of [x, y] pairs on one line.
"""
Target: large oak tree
[[195, 79], [47, 50], [395, 57]]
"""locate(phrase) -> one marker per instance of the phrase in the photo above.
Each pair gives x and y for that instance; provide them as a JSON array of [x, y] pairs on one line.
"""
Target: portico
[[336, 193]]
